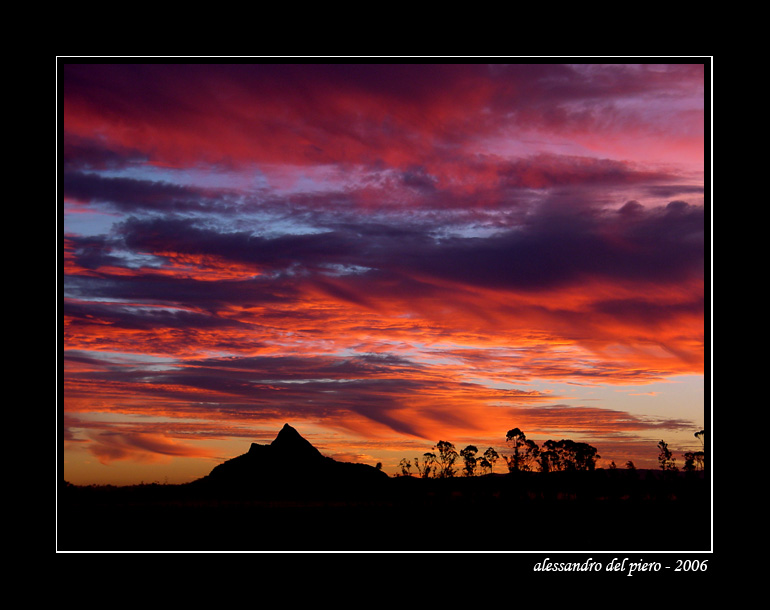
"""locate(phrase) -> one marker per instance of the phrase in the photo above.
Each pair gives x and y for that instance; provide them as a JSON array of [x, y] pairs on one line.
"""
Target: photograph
[[400, 307]]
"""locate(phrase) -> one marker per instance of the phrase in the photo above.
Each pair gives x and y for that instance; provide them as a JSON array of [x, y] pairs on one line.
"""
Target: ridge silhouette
[[286, 495], [289, 465]]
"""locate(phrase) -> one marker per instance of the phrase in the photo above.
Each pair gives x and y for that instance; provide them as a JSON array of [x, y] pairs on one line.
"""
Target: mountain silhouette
[[290, 465], [290, 443]]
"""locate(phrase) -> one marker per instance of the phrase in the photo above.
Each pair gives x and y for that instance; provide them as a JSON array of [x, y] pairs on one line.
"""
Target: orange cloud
[[109, 446]]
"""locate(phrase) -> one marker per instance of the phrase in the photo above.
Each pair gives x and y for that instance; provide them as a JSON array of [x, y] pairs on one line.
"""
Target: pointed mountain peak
[[289, 439], [287, 429]]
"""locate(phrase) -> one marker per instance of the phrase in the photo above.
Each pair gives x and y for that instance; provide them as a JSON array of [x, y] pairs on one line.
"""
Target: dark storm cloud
[[93, 252], [129, 194], [266, 368], [210, 295], [186, 237], [136, 318], [557, 247]]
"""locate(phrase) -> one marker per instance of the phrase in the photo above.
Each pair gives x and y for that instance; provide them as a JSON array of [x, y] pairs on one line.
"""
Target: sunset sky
[[383, 256]]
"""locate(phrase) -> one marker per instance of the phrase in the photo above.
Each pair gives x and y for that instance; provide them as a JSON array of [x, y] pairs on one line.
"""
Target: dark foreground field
[[576, 512]]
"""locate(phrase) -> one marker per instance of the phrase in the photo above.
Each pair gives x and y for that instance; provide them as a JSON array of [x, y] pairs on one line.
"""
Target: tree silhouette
[[700, 456], [428, 465], [489, 459], [469, 458], [529, 456], [567, 454], [549, 457], [406, 467], [516, 438], [447, 456], [665, 457], [585, 456], [693, 460]]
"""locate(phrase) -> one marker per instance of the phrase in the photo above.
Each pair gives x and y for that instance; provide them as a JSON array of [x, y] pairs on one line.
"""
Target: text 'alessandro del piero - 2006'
[[621, 565]]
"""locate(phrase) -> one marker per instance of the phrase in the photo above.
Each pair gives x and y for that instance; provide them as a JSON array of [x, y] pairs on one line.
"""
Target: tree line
[[445, 461], [693, 460]]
